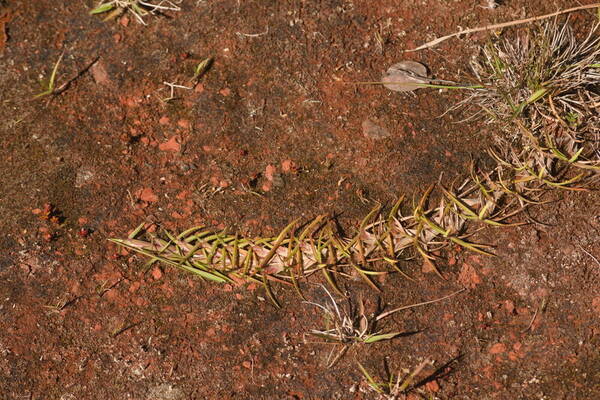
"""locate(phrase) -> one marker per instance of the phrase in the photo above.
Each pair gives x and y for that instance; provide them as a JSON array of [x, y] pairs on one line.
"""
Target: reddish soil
[[82, 319]]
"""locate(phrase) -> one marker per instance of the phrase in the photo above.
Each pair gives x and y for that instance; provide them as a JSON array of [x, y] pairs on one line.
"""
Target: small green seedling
[[201, 69], [573, 119], [51, 81]]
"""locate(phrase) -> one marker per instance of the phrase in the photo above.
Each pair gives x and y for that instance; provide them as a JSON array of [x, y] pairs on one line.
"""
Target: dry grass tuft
[[138, 8], [346, 326], [545, 77], [396, 387], [542, 90]]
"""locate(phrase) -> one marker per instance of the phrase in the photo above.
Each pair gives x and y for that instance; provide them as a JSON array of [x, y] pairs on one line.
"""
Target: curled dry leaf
[[405, 76]]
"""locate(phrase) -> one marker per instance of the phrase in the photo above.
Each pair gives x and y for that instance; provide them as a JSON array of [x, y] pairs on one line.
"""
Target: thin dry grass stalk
[[437, 41], [396, 387]]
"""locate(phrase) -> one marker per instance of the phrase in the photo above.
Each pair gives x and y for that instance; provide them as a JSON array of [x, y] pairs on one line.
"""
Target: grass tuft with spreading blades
[[347, 326], [139, 8], [547, 75], [542, 91], [397, 386]]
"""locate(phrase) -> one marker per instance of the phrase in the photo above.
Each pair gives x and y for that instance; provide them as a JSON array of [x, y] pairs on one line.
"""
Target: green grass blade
[[136, 231], [202, 68], [102, 8], [379, 338], [470, 246], [269, 291], [51, 82], [376, 386]]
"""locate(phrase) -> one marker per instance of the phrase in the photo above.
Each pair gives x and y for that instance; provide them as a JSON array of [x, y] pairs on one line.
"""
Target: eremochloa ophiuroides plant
[[540, 91]]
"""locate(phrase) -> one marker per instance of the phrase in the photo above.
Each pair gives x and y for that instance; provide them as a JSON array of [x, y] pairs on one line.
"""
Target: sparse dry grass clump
[[542, 90], [397, 386], [546, 75], [138, 8], [346, 326]]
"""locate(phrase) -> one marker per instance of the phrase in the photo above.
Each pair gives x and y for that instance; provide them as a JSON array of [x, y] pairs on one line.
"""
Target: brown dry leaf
[[405, 76]]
